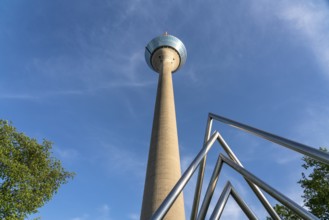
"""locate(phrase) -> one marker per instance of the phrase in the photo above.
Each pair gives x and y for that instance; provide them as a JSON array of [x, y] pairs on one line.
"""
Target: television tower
[[164, 54]]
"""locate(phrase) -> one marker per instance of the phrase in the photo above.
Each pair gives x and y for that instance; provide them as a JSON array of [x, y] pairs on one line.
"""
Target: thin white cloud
[[191, 74], [284, 158], [120, 84], [307, 21], [311, 19], [66, 154], [132, 9], [99, 64], [295, 194], [133, 216], [17, 96], [37, 96], [83, 217], [101, 213], [29, 96], [104, 212], [122, 161], [100, 71], [186, 160], [313, 127]]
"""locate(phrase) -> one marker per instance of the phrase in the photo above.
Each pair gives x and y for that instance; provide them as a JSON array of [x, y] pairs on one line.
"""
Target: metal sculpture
[[254, 182]]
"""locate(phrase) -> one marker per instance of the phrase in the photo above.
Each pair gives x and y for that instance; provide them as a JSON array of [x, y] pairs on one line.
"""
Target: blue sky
[[73, 72]]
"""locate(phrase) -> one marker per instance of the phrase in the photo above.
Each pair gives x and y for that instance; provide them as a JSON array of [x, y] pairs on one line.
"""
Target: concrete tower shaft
[[163, 168]]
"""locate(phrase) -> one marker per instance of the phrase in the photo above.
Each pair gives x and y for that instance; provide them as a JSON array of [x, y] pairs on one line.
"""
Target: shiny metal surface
[[198, 187], [210, 190], [234, 162], [221, 202], [214, 179], [165, 41], [167, 203], [242, 204], [174, 193], [270, 190], [301, 148], [227, 191], [254, 187]]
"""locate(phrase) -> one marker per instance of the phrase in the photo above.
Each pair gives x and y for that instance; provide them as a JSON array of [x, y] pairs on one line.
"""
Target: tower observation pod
[[164, 54]]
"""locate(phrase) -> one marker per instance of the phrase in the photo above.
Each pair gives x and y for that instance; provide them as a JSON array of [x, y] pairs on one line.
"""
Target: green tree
[[316, 190], [316, 187], [29, 175], [285, 213]]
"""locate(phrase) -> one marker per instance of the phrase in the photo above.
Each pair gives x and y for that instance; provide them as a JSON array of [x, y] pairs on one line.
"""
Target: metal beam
[[177, 189], [210, 189], [227, 191], [270, 190], [301, 148], [198, 187], [254, 188]]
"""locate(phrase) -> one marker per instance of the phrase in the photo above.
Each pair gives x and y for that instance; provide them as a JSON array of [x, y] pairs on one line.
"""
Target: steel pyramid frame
[[255, 183]]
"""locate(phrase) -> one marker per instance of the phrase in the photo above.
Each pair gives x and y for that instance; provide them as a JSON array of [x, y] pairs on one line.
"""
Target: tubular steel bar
[[210, 189], [271, 191], [251, 179], [174, 193], [198, 188], [301, 148], [242, 204], [227, 191], [221, 202], [254, 188], [214, 179]]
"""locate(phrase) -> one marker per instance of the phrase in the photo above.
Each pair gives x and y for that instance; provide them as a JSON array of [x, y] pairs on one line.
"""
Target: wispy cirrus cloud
[[82, 217], [17, 96], [133, 216], [114, 85], [101, 213], [311, 20], [66, 153], [306, 21], [313, 127], [119, 160], [37, 96]]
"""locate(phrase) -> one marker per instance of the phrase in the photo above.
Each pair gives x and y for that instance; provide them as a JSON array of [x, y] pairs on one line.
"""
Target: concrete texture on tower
[[163, 168]]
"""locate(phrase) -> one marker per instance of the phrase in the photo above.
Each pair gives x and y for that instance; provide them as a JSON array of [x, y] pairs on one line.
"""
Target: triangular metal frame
[[214, 179], [254, 182], [228, 191]]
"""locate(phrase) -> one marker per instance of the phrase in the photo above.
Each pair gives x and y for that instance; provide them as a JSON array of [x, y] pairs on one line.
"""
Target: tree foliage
[[29, 176], [285, 213], [316, 187], [316, 190]]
